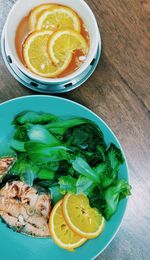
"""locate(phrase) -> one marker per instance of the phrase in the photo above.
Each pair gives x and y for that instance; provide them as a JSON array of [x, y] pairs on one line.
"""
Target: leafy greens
[[68, 155]]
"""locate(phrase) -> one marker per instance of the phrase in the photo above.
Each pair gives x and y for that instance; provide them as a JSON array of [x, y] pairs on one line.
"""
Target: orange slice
[[57, 18], [80, 217], [64, 42], [60, 232], [36, 56], [35, 13]]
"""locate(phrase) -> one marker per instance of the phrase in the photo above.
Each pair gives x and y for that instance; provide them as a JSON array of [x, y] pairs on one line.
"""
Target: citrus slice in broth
[[36, 56], [63, 42], [57, 18], [80, 217], [35, 13], [60, 232]]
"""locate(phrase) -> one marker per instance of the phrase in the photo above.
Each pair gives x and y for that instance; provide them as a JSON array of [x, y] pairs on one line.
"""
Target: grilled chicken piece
[[5, 164], [24, 209]]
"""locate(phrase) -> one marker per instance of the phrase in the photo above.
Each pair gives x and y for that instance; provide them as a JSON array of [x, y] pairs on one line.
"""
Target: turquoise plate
[[16, 246]]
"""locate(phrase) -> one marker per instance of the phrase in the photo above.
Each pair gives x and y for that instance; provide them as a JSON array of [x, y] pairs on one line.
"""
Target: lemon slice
[[63, 42], [57, 18], [60, 232], [36, 56], [80, 217], [35, 13]]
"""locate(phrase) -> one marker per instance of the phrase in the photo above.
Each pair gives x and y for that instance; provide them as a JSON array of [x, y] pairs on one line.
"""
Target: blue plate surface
[[17, 246]]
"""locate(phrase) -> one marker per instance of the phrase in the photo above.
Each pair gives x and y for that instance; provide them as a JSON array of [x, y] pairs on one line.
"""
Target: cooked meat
[[24, 209], [5, 164]]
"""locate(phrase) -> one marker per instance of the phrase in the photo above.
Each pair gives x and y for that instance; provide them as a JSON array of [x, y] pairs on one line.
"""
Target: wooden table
[[119, 92]]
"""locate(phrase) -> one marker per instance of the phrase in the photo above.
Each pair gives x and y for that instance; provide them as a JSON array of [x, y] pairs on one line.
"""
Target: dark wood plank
[[119, 92]]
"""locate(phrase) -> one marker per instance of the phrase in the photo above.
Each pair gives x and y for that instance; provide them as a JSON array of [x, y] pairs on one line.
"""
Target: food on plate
[[25, 209], [52, 41], [5, 164], [80, 217], [78, 173], [60, 231]]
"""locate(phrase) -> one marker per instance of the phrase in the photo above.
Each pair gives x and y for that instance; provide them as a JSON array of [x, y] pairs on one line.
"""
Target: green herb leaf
[[46, 174], [33, 118], [106, 175], [17, 145], [86, 137], [67, 184], [85, 185], [29, 175], [115, 157], [113, 194], [40, 134], [21, 134], [25, 169], [66, 124], [39, 152], [82, 167], [56, 194]]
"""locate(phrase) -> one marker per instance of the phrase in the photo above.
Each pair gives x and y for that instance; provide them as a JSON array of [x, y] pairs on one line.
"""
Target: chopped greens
[[68, 155]]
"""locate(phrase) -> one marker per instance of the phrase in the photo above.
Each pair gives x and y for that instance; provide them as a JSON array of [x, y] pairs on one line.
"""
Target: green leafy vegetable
[[115, 157], [64, 168], [17, 145], [101, 149], [104, 172], [66, 124], [85, 136], [56, 195], [46, 174], [113, 194], [57, 131], [68, 155], [40, 134], [93, 159], [82, 167], [84, 185], [67, 184], [21, 134], [108, 170], [29, 175], [47, 184], [33, 118], [96, 199], [26, 170], [45, 153]]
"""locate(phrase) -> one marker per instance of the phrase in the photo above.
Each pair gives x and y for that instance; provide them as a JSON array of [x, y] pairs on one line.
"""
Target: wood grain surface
[[119, 92]]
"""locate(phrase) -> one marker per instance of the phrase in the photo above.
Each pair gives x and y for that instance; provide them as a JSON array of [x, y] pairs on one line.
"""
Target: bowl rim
[[112, 133], [69, 77]]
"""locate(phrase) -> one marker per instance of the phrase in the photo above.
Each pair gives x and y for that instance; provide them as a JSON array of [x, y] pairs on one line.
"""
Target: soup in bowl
[[51, 42]]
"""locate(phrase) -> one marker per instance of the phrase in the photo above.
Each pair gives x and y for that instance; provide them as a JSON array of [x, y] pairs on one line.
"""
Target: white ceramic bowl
[[23, 7]]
